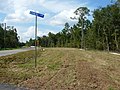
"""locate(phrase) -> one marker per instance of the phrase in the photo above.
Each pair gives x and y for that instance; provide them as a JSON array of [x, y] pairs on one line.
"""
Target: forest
[[102, 33]]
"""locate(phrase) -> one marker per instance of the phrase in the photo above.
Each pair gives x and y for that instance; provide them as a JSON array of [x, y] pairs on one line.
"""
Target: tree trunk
[[108, 48], [107, 42], [116, 42], [82, 38]]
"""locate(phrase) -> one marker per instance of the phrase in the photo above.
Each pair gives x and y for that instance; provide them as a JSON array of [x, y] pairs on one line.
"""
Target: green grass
[[110, 88], [55, 65]]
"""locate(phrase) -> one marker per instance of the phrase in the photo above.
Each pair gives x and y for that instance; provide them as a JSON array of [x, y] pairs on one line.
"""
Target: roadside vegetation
[[62, 68]]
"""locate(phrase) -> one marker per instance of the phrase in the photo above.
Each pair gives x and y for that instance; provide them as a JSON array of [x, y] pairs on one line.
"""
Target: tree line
[[103, 33], [8, 37]]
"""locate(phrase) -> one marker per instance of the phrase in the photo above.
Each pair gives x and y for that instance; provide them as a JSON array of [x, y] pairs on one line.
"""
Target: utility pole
[[36, 15]]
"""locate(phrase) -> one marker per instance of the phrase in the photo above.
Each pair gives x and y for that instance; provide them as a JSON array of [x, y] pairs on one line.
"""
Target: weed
[[54, 66], [111, 88]]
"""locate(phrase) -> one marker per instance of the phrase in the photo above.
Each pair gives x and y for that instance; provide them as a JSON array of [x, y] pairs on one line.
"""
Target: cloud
[[62, 17], [19, 16], [21, 9], [6, 6], [57, 5], [30, 33]]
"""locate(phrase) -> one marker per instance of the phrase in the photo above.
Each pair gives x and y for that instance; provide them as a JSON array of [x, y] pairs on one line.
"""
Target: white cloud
[[57, 5], [21, 9], [6, 6], [62, 17], [18, 16], [30, 33], [41, 1]]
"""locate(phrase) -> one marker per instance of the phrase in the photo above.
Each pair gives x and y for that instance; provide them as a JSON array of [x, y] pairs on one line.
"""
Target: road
[[10, 87], [9, 52]]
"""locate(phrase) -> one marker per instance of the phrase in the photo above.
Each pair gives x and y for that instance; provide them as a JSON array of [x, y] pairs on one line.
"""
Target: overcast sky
[[57, 13]]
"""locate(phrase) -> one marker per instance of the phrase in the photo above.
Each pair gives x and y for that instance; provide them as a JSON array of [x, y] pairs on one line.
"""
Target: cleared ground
[[62, 69]]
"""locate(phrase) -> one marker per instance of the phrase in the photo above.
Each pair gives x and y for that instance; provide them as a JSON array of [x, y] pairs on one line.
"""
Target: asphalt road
[[9, 52], [10, 87]]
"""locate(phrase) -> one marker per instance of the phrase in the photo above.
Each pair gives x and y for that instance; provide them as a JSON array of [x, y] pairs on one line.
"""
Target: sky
[[57, 13]]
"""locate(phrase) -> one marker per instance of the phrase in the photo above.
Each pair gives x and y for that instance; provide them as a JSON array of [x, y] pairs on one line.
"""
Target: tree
[[1, 38], [9, 38], [64, 35], [51, 40], [106, 25], [82, 12]]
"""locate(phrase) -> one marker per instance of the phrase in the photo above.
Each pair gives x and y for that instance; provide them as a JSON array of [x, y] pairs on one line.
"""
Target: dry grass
[[62, 69]]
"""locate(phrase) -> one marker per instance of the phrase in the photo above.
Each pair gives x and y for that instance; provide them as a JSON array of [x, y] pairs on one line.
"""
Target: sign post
[[36, 15]]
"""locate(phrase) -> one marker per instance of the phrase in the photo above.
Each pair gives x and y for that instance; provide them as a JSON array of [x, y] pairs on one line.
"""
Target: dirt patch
[[81, 76], [89, 78]]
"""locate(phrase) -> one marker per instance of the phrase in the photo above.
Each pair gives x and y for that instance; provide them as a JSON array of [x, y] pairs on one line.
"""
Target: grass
[[111, 89], [61, 68], [54, 66]]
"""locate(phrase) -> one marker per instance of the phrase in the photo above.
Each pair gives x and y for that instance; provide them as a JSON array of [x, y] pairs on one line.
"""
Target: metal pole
[[35, 41]]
